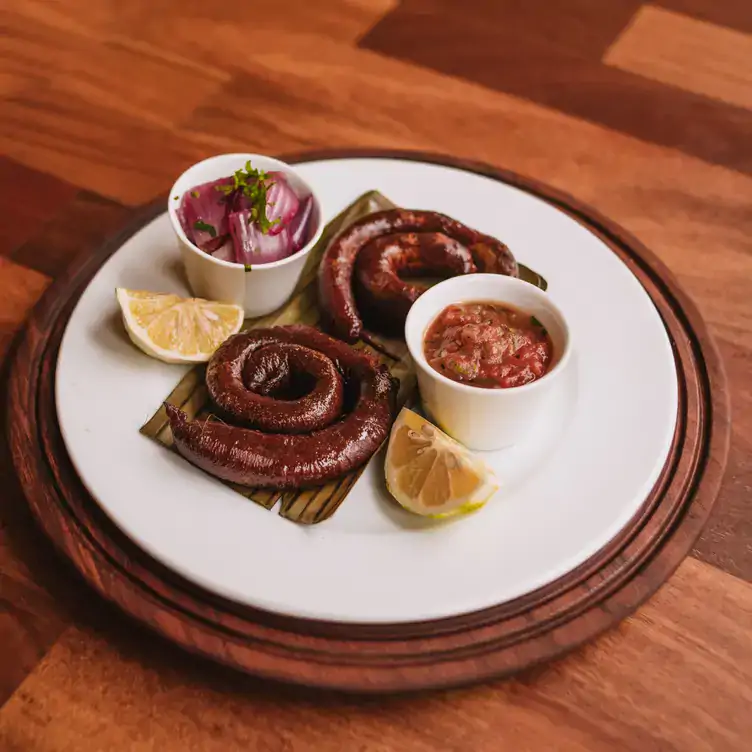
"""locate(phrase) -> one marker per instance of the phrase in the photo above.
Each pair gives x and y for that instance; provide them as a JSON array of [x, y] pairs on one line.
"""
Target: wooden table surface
[[642, 110]]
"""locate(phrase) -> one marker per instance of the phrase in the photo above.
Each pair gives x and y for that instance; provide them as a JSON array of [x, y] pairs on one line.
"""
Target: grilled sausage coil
[[302, 408], [386, 246]]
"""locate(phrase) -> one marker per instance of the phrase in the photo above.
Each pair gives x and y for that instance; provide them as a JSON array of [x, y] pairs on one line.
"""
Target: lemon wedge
[[431, 474], [175, 329]]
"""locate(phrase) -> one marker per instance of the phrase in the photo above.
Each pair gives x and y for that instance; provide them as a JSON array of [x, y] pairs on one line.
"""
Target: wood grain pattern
[[532, 55], [316, 91], [101, 71], [28, 619], [102, 94], [735, 14], [38, 242], [21, 218], [85, 221], [31, 619], [292, 79], [619, 694], [692, 55], [726, 541], [371, 658], [22, 288]]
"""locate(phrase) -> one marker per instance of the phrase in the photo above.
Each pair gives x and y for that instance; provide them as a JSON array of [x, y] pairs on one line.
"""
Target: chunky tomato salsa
[[488, 345]]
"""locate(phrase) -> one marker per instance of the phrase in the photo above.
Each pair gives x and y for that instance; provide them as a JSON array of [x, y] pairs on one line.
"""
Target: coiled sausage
[[379, 275], [300, 450]]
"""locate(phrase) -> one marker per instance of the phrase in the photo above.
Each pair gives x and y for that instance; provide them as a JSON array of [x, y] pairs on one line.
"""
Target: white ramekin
[[263, 288], [486, 418]]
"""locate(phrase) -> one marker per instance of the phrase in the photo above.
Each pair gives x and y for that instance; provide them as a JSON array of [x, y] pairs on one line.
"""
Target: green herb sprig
[[199, 224], [254, 185]]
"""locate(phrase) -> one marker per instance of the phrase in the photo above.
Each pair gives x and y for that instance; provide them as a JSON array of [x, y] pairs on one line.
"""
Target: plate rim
[[70, 521]]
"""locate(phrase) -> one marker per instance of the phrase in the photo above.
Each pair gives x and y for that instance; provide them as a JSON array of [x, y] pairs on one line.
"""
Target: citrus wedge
[[431, 474], [175, 329]]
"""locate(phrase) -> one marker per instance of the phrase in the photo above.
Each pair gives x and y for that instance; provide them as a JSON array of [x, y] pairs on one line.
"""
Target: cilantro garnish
[[254, 185], [199, 224]]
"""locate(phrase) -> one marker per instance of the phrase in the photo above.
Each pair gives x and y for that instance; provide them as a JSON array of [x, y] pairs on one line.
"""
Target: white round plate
[[564, 495]]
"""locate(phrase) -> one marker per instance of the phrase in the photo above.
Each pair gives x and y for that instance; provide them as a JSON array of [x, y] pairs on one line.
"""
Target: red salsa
[[488, 345]]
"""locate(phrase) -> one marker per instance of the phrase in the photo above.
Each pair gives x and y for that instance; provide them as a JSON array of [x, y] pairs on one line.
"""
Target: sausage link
[[335, 281], [287, 460], [242, 380], [383, 295]]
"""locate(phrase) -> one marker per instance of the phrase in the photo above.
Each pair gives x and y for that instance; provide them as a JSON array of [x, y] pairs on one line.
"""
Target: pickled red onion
[[254, 247]]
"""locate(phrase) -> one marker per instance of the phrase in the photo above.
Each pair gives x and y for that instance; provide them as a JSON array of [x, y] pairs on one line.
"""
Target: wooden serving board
[[380, 658]]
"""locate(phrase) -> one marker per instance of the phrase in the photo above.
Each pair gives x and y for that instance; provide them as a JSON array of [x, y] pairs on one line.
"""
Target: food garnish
[[251, 217], [175, 329], [431, 474], [205, 226]]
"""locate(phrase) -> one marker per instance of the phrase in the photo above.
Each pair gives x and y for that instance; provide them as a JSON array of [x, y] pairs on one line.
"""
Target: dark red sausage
[[383, 295], [250, 368], [336, 294], [284, 460]]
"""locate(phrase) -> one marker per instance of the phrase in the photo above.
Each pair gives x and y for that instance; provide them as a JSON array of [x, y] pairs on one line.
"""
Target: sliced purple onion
[[238, 202], [252, 247], [300, 224], [226, 252], [281, 202], [203, 215], [217, 221]]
